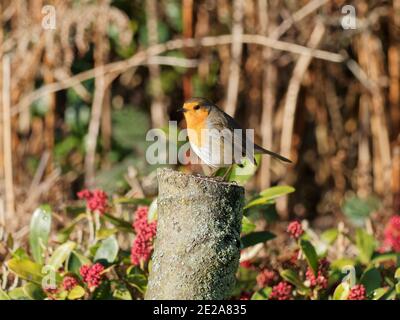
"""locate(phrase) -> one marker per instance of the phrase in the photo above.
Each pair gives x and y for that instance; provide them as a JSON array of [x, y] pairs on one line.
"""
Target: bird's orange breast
[[196, 122]]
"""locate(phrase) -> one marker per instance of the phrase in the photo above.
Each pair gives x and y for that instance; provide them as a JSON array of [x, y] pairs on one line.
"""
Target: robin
[[216, 138]]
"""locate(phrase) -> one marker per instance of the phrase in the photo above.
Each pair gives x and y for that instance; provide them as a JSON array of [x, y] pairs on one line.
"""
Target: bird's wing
[[220, 120], [226, 121]]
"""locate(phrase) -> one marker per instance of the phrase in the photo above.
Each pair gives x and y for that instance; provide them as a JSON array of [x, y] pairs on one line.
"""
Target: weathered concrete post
[[196, 250]]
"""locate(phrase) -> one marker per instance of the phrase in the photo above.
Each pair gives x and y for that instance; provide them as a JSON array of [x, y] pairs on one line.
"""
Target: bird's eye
[[196, 108]]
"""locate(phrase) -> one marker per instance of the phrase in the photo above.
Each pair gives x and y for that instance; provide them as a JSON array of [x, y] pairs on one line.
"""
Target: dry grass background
[[327, 98]]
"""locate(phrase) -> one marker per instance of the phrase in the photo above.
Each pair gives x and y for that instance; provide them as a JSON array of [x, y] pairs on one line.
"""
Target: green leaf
[[357, 209], [342, 291], [75, 261], [293, 278], [119, 223], [61, 254], [371, 279], [366, 245], [20, 253], [18, 294], [258, 202], [311, 255], [103, 291], [152, 214], [137, 201], [138, 281], [104, 233], [76, 293], [339, 264], [247, 225], [262, 294], [108, 250], [4, 295], [256, 237], [26, 269], [397, 274], [242, 174], [64, 233], [384, 257], [39, 232], [276, 192], [379, 293], [329, 236], [121, 292], [34, 291]]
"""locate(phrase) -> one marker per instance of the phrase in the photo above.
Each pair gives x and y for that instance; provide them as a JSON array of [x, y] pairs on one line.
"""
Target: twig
[[7, 145], [236, 57], [39, 172], [293, 90], [269, 79], [141, 57], [158, 110], [94, 127], [300, 14]]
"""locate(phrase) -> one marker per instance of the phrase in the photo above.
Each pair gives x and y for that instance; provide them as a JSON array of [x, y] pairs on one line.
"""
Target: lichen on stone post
[[197, 246]]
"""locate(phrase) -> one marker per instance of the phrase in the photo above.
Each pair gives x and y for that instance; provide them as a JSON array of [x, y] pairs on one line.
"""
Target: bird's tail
[[258, 149]]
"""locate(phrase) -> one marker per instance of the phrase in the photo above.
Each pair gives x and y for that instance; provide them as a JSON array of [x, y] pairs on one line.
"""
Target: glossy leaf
[[34, 291], [342, 291], [311, 255], [365, 244], [61, 254], [77, 292], [26, 269], [119, 223], [262, 294], [258, 202], [242, 174], [3, 295], [75, 261], [371, 279], [152, 214], [293, 278], [253, 238], [247, 225], [379, 293], [104, 233], [108, 250], [121, 292], [137, 280], [39, 232], [276, 192], [329, 236], [18, 294], [357, 209]]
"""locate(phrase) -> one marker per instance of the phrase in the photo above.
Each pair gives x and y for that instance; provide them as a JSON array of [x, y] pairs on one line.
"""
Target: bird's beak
[[182, 110]]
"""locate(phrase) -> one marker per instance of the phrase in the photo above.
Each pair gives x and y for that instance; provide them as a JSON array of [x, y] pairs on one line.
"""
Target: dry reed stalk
[[187, 17], [396, 177], [1, 107], [49, 120], [93, 131], [293, 90], [106, 123], [269, 92], [364, 177], [290, 103], [236, 56], [370, 55], [394, 87], [158, 110], [7, 143]]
